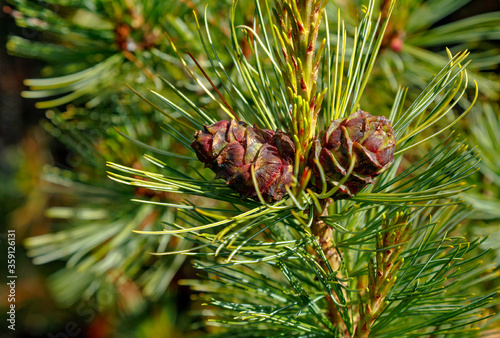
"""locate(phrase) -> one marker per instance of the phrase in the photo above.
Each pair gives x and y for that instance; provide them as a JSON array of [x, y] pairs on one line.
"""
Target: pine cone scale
[[365, 139], [230, 149], [361, 143]]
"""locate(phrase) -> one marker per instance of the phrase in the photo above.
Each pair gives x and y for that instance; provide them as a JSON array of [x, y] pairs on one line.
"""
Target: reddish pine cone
[[369, 139], [229, 148]]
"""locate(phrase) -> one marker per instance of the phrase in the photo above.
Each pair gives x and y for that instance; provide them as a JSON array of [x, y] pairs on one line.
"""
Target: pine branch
[[295, 263], [390, 242], [275, 236]]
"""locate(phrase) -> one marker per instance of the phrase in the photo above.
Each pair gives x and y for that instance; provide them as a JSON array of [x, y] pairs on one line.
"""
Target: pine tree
[[93, 50], [386, 261], [415, 45], [303, 238]]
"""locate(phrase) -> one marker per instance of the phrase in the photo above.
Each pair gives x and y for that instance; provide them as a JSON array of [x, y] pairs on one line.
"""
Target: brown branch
[[382, 273], [324, 233]]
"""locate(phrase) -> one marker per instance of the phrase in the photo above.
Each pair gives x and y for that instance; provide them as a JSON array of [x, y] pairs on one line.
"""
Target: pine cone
[[367, 139], [229, 148]]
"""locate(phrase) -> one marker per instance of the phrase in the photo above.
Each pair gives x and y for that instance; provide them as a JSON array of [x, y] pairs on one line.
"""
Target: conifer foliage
[[316, 218], [93, 50], [332, 257]]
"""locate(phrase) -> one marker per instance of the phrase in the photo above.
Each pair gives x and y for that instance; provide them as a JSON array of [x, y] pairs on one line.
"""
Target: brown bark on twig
[[325, 238]]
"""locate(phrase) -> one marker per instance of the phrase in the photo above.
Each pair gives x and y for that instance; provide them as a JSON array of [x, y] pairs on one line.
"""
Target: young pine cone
[[366, 139], [229, 148]]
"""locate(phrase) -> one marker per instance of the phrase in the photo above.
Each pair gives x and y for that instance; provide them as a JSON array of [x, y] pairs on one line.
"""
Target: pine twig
[[390, 243], [324, 233]]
